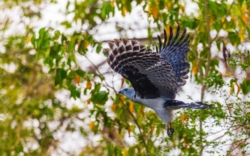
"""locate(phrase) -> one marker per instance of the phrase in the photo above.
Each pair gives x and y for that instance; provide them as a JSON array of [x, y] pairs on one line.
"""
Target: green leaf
[[33, 41], [100, 97], [241, 2], [71, 46], [75, 92], [67, 24], [61, 74], [233, 37], [99, 47], [57, 33], [245, 86], [41, 32], [63, 38], [190, 23], [248, 30], [80, 72]]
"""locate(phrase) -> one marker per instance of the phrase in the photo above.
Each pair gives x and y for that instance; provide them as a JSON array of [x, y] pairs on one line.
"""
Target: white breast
[[152, 103], [157, 104]]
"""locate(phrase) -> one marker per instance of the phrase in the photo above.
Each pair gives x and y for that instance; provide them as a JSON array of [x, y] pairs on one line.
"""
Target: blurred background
[[58, 96]]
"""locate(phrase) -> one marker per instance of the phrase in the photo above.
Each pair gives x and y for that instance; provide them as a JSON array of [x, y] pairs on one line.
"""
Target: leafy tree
[[48, 94]]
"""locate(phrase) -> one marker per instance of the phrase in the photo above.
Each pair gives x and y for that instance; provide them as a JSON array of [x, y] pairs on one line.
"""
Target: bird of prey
[[156, 77]]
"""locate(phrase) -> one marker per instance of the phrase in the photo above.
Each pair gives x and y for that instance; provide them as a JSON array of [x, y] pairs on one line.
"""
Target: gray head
[[128, 92]]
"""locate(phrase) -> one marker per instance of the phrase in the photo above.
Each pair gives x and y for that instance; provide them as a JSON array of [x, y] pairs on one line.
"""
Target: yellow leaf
[[182, 8], [85, 44], [167, 30], [211, 22], [113, 107], [142, 111], [228, 73], [155, 12], [88, 101], [113, 3], [223, 20], [88, 85], [195, 68], [169, 4], [131, 106], [124, 10], [149, 9], [125, 152], [156, 1], [121, 104], [28, 39], [184, 118], [122, 97], [77, 79], [234, 20], [91, 125], [241, 34], [123, 80], [129, 129], [238, 89], [232, 89], [152, 127], [224, 26], [244, 18]]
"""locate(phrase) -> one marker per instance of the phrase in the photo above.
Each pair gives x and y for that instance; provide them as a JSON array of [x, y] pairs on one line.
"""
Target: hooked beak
[[120, 92]]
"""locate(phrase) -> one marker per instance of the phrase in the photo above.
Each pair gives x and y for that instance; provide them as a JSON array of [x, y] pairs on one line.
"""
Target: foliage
[[39, 69]]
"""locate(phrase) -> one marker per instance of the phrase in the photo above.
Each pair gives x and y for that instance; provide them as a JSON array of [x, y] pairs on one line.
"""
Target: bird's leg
[[170, 129]]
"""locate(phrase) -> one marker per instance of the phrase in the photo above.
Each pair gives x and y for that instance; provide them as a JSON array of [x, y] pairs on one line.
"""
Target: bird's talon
[[171, 129], [169, 133]]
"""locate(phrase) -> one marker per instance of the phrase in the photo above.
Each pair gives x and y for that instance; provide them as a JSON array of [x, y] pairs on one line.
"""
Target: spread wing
[[150, 75], [175, 52]]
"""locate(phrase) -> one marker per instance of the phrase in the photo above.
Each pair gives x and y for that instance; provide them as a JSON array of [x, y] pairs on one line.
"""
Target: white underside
[[156, 104], [152, 103]]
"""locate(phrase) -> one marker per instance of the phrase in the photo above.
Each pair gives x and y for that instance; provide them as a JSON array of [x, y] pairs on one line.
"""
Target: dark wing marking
[[174, 104], [138, 82], [149, 74], [175, 52]]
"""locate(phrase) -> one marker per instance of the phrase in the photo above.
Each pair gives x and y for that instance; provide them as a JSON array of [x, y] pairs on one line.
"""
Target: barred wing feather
[[150, 75], [175, 52]]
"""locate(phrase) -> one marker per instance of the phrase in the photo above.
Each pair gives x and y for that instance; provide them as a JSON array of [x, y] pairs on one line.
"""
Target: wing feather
[[150, 75], [175, 52]]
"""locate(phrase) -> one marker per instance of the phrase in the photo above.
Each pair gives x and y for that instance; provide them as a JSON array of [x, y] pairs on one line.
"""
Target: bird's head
[[128, 92]]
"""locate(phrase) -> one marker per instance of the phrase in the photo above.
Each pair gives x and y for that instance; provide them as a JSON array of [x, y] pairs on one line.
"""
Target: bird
[[156, 76]]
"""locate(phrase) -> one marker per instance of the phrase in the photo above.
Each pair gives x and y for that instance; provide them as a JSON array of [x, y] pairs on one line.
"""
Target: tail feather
[[174, 104]]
